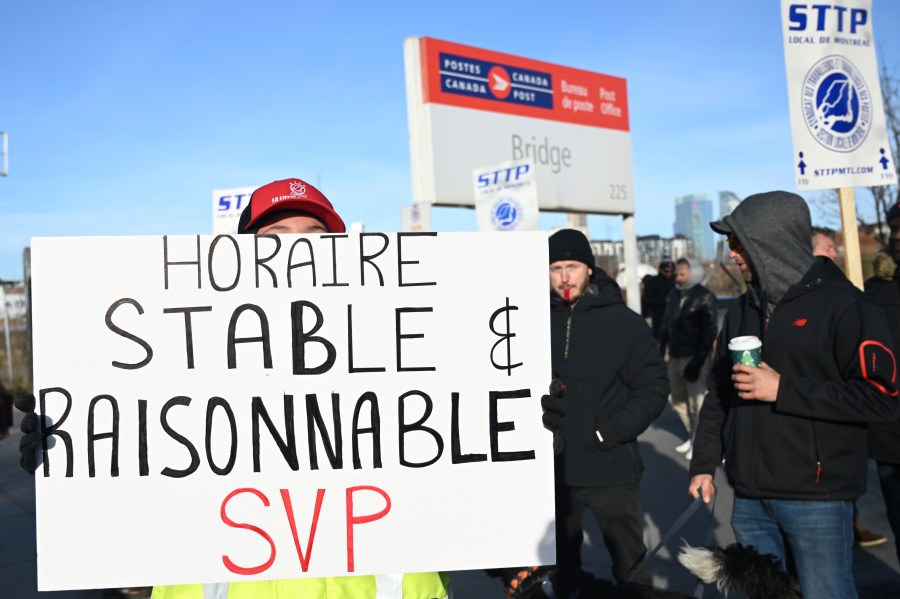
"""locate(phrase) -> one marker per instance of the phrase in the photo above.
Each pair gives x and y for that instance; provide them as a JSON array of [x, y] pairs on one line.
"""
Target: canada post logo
[[837, 105], [491, 81]]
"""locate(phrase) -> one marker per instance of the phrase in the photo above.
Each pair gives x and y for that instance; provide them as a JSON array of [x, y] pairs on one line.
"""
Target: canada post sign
[[469, 107], [504, 83]]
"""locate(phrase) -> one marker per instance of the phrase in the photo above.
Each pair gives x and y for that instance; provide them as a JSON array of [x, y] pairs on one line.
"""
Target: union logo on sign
[[837, 105], [506, 213]]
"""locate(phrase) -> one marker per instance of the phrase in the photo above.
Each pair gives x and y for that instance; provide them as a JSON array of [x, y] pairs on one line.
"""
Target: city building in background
[[693, 213], [651, 249], [728, 201]]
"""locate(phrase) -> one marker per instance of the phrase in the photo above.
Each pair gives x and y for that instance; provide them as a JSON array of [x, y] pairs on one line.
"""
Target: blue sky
[[124, 116]]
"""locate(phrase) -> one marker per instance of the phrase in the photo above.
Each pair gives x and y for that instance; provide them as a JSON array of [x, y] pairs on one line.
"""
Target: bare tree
[[825, 208], [888, 195]]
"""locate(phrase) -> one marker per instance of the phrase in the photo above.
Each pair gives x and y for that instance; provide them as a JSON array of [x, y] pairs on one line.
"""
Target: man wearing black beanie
[[616, 385]]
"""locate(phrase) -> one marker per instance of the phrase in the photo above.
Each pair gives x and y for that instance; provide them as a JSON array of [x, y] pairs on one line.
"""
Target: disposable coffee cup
[[746, 350]]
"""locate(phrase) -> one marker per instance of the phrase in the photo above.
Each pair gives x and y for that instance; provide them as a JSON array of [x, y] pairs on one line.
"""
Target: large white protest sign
[[837, 116], [232, 408], [506, 197]]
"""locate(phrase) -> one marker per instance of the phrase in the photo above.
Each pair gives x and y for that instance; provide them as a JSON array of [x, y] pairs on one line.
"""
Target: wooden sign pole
[[852, 257]]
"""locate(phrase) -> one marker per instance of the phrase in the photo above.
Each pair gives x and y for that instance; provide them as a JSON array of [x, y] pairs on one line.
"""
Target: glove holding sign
[[554, 414], [31, 434]]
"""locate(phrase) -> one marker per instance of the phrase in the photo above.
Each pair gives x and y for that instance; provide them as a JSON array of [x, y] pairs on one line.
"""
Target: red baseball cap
[[289, 194]]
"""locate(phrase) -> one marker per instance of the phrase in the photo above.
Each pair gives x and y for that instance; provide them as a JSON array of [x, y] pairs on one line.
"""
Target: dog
[[735, 569], [740, 569]]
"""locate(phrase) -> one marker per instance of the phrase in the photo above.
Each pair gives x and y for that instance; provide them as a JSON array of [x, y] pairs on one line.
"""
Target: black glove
[[555, 413], [31, 437], [554, 406], [691, 372], [608, 435]]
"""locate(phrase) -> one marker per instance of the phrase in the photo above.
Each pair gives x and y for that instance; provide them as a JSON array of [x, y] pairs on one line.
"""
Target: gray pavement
[[665, 497]]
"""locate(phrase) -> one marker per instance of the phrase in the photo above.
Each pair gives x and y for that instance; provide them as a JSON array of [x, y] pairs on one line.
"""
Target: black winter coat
[[884, 438], [689, 327], [833, 351], [609, 361], [653, 302]]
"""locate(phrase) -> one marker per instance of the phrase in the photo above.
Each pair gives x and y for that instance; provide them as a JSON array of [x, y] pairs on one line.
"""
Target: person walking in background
[[656, 292], [686, 339], [793, 430], [616, 385], [6, 405], [823, 243]]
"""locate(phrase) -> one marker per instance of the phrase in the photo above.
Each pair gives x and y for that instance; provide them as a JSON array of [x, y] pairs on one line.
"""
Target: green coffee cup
[[746, 350]]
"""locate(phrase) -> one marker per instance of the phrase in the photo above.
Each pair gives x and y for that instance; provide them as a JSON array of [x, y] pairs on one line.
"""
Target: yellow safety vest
[[424, 585]]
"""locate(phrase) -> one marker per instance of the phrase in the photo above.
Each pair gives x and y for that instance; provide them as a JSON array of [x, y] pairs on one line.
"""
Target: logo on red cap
[[298, 189], [290, 194]]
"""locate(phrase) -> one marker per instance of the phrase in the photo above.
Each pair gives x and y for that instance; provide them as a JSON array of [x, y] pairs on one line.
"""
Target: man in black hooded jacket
[[616, 385], [793, 431]]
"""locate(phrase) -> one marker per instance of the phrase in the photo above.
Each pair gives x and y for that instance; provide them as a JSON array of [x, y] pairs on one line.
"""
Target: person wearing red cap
[[289, 206], [282, 207]]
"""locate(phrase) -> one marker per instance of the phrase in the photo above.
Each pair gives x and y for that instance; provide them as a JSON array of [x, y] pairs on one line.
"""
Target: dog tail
[[741, 569]]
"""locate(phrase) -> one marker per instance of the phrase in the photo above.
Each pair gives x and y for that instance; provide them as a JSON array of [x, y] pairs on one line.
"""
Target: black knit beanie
[[893, 212], [571, 244]]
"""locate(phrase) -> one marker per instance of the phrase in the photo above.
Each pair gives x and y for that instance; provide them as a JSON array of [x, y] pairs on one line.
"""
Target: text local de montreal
[[413, 407]]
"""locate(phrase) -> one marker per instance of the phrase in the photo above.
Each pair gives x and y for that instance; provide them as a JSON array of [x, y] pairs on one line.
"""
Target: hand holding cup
[[753, 379], [746, 350]]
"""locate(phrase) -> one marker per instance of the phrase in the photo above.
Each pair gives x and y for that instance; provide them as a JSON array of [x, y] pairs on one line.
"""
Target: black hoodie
[[833, 350], [607, 357]]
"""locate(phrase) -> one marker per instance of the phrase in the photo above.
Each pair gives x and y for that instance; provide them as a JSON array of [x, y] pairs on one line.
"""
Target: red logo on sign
[[499, 82]]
